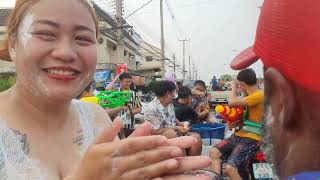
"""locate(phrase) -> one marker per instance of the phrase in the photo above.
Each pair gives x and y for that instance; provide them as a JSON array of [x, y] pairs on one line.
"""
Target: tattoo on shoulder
[[79, 138], [23, 141]]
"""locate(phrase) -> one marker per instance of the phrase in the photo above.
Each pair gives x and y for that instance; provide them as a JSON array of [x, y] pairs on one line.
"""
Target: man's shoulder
[[256, 98], [256, 94], [259, 92], [171, 106], [151, 105]]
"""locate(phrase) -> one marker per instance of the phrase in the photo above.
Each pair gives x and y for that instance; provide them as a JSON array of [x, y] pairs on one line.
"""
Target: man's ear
[[281, 98]]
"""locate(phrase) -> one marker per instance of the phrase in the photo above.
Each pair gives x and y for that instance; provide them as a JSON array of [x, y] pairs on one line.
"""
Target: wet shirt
[[255, 103], [16, 164], [159, 116], [200, 105], [185, 113]]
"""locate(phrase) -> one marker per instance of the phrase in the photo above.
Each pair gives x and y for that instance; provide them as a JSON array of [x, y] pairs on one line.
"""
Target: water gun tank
[[229, 114]]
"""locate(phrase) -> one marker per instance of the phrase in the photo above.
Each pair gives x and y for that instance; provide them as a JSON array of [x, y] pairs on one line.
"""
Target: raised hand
[[136, 158]]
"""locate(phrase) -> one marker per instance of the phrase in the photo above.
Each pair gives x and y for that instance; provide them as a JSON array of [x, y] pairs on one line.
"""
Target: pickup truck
[[218, 97]]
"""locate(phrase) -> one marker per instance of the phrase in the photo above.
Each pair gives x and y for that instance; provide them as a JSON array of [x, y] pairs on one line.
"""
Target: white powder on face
[[33, 82], [29, 83], [267, 142], [43, 87], [25, 28]]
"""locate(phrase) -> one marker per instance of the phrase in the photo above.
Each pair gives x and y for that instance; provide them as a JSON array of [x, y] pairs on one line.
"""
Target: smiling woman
[[53, 46]]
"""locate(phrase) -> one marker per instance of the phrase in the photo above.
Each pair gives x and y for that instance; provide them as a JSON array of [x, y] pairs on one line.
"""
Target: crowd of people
[[46, 133], [176, 107]]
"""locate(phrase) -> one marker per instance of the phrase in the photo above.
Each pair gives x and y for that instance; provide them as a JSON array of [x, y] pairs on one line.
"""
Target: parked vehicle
[[218, 97]]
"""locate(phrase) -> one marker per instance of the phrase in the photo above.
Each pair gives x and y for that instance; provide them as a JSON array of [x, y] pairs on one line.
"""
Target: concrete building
[[107, 52], [150, 66], [5, 67]]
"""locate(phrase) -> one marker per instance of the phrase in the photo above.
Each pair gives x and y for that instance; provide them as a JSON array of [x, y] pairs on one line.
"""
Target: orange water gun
[[230, 114]]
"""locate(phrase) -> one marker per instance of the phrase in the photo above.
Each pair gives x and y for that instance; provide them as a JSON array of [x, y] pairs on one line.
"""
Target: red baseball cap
[[288, 39]]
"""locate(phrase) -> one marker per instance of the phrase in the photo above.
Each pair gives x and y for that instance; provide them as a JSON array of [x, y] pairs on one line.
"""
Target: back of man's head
[[124, 76], [247, 76], [163, 87], [184, 92]]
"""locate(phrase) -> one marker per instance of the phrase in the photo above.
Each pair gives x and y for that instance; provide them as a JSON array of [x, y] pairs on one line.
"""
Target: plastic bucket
[[209, 131]]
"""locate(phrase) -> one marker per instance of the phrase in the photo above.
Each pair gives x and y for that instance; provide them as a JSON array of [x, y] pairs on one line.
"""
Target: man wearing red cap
[[288, 43]]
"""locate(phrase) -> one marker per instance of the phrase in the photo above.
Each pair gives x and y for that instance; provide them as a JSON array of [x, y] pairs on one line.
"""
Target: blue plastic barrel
[[209, 131]]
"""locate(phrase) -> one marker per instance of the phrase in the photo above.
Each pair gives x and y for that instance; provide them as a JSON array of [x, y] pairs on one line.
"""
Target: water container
[[209, 131]]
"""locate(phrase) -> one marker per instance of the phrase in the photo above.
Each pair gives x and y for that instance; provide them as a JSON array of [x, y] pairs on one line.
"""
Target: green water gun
[[111, 99]]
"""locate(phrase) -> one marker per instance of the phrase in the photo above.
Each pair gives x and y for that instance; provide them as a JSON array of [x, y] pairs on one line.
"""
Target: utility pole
[[184, 57], [193, 72], [163, 67], [196, 72], [120, 38], [190, 67], [174, 63]]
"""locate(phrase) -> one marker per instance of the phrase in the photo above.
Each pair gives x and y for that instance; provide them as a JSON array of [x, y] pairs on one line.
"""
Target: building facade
[[5, 66]]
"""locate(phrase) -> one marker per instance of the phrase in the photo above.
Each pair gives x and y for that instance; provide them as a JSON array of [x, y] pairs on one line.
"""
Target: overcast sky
[[218, 29], [7, 3]]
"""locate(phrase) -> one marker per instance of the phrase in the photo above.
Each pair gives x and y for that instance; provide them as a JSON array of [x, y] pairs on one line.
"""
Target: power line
[[138, 22], [173, 17], [139, 9], [141, 27], [196, 3]]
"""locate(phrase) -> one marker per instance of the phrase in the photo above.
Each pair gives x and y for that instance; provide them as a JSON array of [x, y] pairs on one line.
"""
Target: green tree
[[6, 82]]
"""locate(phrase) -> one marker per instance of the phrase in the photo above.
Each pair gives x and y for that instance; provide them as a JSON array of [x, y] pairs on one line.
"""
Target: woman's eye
[[45, 35], [84, 39]]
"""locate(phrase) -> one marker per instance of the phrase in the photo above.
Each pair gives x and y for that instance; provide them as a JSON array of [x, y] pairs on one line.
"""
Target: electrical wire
[[139, 9], [139, 26], [173, 17]]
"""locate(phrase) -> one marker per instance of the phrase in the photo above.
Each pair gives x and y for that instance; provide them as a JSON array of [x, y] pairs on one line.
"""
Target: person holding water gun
[[245, 141], [128, 111]]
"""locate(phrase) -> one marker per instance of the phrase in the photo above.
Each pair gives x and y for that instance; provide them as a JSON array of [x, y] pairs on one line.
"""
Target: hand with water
[[138, 157]]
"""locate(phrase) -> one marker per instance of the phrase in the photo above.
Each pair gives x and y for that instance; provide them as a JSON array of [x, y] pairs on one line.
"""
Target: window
[[149, 58]]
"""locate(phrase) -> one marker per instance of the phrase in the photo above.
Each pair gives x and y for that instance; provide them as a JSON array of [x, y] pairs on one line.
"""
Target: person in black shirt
[[183, 109]]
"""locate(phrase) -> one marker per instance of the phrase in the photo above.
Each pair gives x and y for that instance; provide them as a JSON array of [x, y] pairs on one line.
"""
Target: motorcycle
[[259, 168], [256, 167]]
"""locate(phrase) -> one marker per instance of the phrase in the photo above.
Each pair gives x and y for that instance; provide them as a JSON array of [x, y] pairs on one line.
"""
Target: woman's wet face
[[55, 50]]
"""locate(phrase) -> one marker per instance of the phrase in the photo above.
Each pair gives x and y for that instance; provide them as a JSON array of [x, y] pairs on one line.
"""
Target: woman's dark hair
[[247, 76], [162, 87], [125, 76], [201, 83], [184, 92]]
